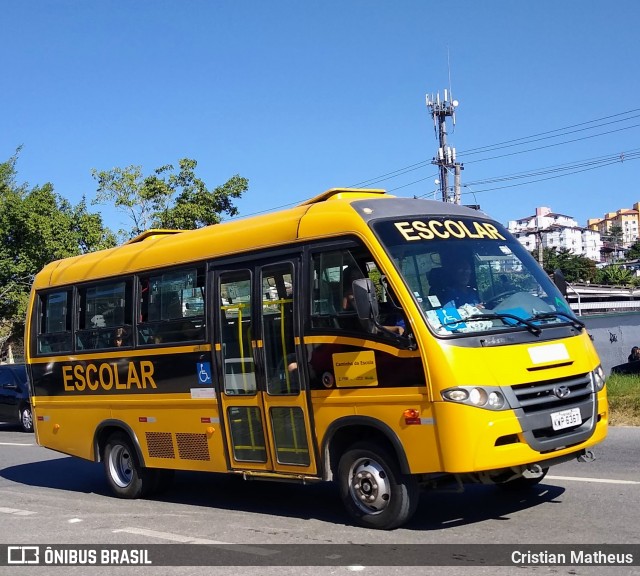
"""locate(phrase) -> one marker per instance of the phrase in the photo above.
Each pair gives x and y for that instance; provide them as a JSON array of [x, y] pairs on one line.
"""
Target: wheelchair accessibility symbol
[[204, 372], [450, 318]]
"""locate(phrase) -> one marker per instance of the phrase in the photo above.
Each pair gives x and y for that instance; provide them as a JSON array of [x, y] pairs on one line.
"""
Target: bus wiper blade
[[497, 316], [502, 315], [577, 324]]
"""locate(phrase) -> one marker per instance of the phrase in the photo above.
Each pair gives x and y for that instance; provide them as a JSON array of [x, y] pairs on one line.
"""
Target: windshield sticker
[[505, 250], [430, 229], [450, 318], [434, 301], [561, 305]]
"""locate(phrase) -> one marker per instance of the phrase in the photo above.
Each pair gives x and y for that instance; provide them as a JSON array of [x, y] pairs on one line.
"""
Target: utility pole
[[540, 246], [446, 157]]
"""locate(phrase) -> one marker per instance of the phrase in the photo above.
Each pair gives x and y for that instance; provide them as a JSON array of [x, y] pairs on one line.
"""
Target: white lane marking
[[168, 536], [14, 444], [600, 480], [16, 512], [74, 520], [191, 540]]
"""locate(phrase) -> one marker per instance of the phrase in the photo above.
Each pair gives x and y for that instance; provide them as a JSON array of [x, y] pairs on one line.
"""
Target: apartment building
[[556, 231], [627, 219]]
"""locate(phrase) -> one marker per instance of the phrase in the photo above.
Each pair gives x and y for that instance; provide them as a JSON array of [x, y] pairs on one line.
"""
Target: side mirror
[[560, 281], [365, 300], [366, 304]]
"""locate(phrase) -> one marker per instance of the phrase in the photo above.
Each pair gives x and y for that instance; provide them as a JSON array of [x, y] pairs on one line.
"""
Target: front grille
[[535, 402], [541, 396]]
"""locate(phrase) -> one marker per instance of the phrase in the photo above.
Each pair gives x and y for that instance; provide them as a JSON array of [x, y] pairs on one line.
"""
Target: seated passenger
[[121, 338]]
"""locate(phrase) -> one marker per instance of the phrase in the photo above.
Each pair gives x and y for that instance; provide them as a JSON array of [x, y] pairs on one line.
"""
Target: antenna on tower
[[445, 158], [454, 102]]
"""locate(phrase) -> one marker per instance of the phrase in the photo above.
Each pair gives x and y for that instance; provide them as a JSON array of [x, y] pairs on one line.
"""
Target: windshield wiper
[[577, 324], [496, 316]]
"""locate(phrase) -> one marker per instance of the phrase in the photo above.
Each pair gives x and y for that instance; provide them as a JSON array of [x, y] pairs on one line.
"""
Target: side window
[[332, 298], [54, 330], [332, 303], [236, 332], [172, 307], [105, 314], [278, 328]]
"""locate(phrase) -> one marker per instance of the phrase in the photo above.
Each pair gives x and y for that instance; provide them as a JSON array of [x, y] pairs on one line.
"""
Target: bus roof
[[336, 211]]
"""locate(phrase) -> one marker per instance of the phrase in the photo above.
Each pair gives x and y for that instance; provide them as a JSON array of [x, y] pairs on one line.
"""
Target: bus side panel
[[181, 433], [415, 430], [177, 433], [63, 424]]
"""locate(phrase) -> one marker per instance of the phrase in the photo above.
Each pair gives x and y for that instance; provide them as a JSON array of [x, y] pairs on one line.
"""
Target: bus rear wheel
[[373, 489], [126, 477]]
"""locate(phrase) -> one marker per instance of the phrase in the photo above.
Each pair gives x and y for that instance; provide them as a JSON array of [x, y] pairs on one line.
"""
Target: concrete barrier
[[613, 336]]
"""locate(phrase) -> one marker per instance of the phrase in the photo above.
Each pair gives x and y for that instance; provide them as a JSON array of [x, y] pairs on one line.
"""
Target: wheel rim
[[369, 486], [121, 466], [27, 419]]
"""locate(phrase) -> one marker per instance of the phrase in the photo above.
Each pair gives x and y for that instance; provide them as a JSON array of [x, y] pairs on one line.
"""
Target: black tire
[[26, 419], [374, 491], [126, 477], [526, 481]]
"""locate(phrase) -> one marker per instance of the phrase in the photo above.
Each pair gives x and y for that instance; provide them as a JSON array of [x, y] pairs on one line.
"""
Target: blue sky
[[300, 96]]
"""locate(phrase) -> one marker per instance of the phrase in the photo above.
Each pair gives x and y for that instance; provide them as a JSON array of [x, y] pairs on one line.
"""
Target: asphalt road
[[50, 498]]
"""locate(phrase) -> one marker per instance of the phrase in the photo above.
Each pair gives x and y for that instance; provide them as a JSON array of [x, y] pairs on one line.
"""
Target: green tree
[[37, 226], [615, 275], [576, 268], [615, 234], [168, 198], [634, 251]]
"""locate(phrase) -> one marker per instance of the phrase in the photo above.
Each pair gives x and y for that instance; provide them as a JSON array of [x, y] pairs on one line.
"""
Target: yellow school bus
[[386, 344]]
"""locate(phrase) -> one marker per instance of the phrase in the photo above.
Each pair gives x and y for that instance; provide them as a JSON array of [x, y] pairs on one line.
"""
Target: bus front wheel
[[127, 479], [374, 491]]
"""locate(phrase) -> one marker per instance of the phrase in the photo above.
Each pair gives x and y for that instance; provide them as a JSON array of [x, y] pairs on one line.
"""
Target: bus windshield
[[470, 275]]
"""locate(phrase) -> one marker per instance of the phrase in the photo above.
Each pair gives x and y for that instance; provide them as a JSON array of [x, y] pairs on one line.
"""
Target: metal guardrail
[[612, 305]]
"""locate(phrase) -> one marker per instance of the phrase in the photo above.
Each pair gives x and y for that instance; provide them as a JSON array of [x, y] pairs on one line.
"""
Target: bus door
[[263, 402]]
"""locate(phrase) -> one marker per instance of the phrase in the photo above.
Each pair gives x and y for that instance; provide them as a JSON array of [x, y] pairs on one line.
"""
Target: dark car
[[15, 406]]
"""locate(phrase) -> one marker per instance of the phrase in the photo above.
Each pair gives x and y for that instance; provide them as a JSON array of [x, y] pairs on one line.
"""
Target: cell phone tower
[[441, 109]]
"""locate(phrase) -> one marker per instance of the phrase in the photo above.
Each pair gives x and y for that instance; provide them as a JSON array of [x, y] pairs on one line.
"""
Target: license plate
[[566, 418]]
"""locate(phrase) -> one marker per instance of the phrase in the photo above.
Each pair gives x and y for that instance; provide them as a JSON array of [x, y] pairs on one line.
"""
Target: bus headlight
[[488, 397], [598, 378]]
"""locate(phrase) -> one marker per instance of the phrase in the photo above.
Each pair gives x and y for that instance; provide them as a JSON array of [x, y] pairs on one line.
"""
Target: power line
[[520, 142], [636, 157], [565, 169], [554, 145], [390, 175], [609, 159], [534, 137], [558, 171]]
